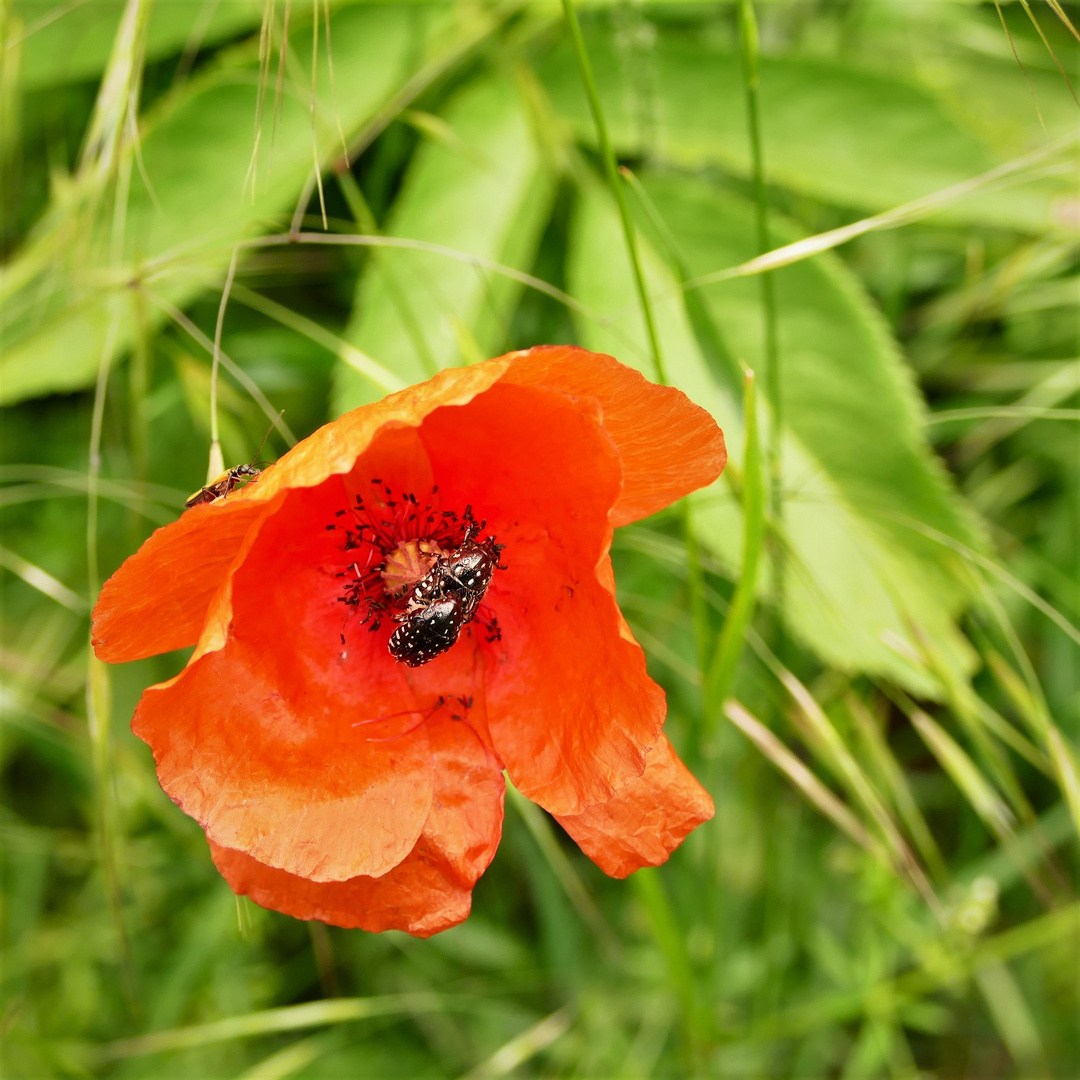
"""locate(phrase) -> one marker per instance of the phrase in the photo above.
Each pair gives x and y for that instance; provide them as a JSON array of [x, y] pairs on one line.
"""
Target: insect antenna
[[255, 458]]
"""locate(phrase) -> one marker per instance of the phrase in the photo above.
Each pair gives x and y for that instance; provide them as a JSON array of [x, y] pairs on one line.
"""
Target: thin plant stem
[[524, 1047], [699, 608], [385, 380], [1020, 65], [713, 350], [98, 693], [540, 829], [748, 40], [407, 243], [420, 82], [672, 941], [611, 168], [366, 223], [230, 366], [715, 353], [314, 108], [1049, 48], [1059, 11], [333, 87], [1009, 580], [1009, 173], [217, 463], [270, 1022], [725, 659], [999, 412]]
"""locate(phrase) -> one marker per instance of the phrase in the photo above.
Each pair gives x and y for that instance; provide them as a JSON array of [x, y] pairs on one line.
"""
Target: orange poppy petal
[[464, 824], [268, 769], [570, 707], [293, 735], [157, 600], [668, 446], [334, 448], [431, 889], [416, 895], [645, 821]]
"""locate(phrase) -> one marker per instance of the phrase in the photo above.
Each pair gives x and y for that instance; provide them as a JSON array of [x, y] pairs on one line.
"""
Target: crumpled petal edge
[[644, 821], [428, 900]]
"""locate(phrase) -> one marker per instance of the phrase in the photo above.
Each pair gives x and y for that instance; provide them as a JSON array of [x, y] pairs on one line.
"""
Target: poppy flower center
[[419, 565], [408, 564]]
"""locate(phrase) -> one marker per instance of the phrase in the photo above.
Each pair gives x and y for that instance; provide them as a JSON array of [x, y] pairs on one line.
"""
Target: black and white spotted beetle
[[427, 631], [444, 600]]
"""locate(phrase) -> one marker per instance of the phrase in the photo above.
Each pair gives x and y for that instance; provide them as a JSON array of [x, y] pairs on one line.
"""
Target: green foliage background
[[889, 887]]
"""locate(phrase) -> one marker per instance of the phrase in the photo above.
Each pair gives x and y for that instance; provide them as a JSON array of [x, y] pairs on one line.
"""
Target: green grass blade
[[295, 1058], [896, 782], [348, 353], [748, 51], [524, 1047], [672, 942], [818, 794], [612, 170], [271, 1022], [1068, 773], [536, 821], [399, 297], [725, 658], [980, 793]]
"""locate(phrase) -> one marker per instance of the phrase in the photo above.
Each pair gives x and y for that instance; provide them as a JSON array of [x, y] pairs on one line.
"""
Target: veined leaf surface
[[484, 193], [859, 479], [196, 151], [840, 134]]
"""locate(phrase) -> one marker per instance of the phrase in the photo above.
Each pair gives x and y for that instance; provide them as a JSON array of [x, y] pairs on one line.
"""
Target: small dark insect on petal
[[427, 632]]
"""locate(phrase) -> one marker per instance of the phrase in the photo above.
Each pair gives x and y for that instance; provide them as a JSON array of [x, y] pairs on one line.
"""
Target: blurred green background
[[889, 887]]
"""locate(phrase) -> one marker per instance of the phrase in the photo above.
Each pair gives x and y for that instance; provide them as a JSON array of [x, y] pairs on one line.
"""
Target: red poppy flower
[[337, 782]]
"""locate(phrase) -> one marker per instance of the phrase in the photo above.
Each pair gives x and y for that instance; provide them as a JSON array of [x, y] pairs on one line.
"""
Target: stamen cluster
[[420, 566]]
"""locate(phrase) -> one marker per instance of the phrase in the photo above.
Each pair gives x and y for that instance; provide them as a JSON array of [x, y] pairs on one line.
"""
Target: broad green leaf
[[842, 135], [997, 100], [859, 480], [196, 150], [69, 42], [483, 193]]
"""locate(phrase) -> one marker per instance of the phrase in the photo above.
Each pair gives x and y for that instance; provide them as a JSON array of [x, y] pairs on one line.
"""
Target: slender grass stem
[[365, 222], [721, 671], [385, 380], [139, 389], [98, 691], [539, 827], [715, 354], [217, 463], [1049, 48], [721, 363], [274, 1022], [230, 366], [672, 941], [748, 40], [699, 608], [407, 243], [611, 168], [484, 27]]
